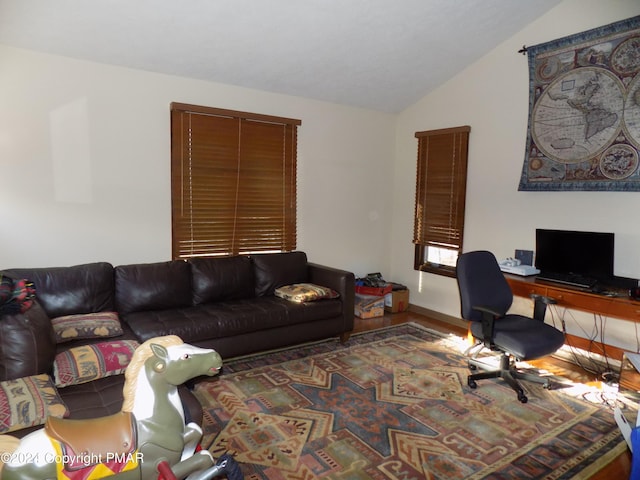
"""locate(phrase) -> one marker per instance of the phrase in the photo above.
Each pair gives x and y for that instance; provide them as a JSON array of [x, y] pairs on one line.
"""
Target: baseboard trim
[[589, 346], [443, 317], [594, 347], [596, 363]]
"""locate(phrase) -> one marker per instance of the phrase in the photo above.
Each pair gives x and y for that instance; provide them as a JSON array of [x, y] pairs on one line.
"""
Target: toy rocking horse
[[147, 439]]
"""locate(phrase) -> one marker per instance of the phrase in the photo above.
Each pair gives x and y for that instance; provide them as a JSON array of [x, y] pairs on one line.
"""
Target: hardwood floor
[[619, 468]]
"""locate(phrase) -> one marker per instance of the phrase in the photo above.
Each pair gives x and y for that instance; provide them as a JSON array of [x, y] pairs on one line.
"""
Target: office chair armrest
[[489, 316], [540, 303]]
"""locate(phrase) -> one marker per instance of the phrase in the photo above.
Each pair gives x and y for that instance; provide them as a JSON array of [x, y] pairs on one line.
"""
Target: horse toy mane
[[140, 356]]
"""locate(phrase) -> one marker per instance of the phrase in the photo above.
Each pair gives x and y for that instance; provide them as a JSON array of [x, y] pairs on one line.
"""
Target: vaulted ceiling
[[376, 54]]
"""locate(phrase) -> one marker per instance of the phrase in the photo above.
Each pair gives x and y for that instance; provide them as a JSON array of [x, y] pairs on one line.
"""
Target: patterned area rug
[[394, 404]]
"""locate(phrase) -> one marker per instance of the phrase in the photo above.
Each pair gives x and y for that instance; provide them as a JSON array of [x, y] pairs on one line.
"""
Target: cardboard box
[[369, 306], [396, 301], [376, 291]]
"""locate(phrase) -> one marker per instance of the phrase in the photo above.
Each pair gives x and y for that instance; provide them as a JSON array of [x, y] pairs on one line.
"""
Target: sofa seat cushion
[[312, 311], [226, 319], [104, 395], [105, 398]]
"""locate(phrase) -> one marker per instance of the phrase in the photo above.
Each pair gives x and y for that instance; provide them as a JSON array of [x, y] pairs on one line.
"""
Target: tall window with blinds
[[441, 183], [233, 182]]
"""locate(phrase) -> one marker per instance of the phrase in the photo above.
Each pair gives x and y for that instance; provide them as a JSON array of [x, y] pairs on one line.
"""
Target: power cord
[[594, 367]]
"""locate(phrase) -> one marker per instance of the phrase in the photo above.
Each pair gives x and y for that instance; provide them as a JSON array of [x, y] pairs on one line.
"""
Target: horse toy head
[[161, 363], [183, 362]]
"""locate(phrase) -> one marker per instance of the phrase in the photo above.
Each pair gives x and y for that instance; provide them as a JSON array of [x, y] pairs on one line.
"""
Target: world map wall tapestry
[[584, 111]]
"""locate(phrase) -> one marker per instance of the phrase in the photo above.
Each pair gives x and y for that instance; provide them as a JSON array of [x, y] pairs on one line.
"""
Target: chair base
[[508, 372]]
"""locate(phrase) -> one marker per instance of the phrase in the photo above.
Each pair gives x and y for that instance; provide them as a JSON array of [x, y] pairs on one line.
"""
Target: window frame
[[222, 208], [441, 179]]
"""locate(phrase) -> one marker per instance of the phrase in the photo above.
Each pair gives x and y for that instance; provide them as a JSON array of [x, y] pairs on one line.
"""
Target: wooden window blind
[[233, 182], [441, 181]]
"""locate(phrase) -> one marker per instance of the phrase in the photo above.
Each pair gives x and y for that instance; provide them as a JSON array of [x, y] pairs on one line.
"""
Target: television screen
[[580, 253]]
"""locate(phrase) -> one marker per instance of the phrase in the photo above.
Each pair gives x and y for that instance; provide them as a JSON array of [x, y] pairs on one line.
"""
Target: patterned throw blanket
[[16, 296]]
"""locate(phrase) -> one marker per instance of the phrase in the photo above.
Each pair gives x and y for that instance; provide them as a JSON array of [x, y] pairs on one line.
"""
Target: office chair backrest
[[481, 283]]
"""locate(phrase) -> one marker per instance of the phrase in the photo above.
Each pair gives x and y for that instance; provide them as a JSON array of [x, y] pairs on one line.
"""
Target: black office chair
[[485, 298]]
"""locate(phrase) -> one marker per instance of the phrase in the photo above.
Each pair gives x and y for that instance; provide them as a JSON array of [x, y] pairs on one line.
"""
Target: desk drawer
[[624, 309], [580, 300], [524, 289]]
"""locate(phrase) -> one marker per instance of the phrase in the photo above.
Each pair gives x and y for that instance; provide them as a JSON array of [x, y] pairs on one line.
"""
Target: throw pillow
[[305, 292], [87, 325], [90, 362], [28, 401]]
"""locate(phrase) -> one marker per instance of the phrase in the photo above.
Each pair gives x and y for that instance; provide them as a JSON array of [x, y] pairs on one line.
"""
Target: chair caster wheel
[[546, 386], [522, 397], [472, 383]]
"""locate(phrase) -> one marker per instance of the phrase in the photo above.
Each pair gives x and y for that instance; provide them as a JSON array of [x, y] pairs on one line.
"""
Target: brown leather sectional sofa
[[227, 304]]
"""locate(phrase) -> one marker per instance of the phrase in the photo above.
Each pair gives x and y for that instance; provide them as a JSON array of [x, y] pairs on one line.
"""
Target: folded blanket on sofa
[[16, 296]]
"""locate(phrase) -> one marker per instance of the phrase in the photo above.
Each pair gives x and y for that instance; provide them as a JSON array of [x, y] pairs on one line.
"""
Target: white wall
[[85, 159], [84, 165], [492, 97]]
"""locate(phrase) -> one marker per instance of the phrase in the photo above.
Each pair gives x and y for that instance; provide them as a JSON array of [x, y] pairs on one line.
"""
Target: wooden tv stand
[[579, 299]]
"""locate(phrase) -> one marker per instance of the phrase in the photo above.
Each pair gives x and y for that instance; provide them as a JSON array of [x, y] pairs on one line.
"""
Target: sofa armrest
[[27, 343], [341, 281]]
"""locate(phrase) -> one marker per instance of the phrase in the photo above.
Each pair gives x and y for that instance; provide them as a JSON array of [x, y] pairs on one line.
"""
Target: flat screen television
[[589, 254]]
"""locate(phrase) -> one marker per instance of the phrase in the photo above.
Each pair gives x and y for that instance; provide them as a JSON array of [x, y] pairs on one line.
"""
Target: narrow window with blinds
[[233, 182], [441, 183]]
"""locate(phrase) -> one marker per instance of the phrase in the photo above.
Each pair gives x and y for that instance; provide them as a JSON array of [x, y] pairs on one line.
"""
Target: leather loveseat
[[227, 304]]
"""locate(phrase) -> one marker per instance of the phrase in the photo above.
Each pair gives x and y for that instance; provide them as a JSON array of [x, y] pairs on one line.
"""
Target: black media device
[[581, 258]]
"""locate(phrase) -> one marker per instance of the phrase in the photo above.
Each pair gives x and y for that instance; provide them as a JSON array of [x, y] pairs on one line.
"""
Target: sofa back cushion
[[152, 286], [273, 270], [62, 291], [219, 279], [27, 344]]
